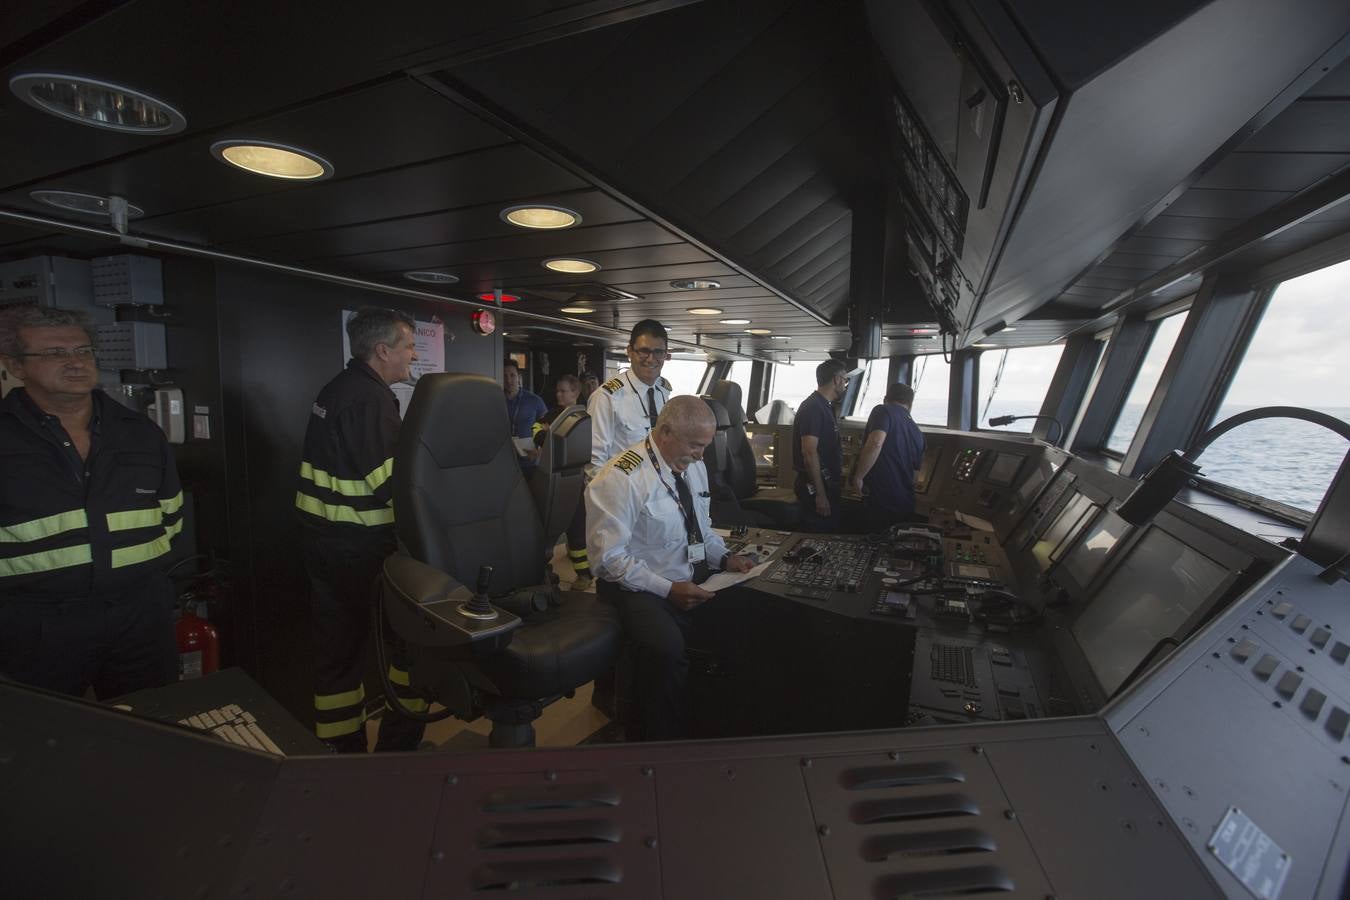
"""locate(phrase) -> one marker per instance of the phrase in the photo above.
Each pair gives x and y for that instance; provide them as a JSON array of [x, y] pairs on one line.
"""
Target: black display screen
[[1151, 595], [1087, 557], [1003, 470], [931, 455], [763, 443]]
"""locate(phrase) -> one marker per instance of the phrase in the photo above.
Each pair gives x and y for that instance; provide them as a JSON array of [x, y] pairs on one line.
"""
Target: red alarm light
[[492, 298], [484, 321]]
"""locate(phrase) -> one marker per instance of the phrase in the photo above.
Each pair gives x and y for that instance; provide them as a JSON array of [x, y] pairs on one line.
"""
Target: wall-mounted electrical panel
[[53, 281], [131, 345], [127, 279]]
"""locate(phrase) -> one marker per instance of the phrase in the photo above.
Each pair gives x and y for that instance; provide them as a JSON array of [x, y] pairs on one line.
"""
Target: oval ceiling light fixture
[[695, 284], [759, 332], [703, 311], [541, 216], [734, 321], [571, 266], [492, 298], [90, 204], [985, 346], [432, 277], [578, 310], [781, 337], [273, 160], [100, 104]]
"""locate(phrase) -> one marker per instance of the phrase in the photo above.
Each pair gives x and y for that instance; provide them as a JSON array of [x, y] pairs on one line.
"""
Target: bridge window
[[684, 375], [1295, 358], [873, 389], [1017, 380], [1145, 381], [793, 384], [931, 383], [740, 373]]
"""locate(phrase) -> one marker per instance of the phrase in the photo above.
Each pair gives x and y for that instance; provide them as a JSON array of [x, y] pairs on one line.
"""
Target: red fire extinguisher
[[198, 643]]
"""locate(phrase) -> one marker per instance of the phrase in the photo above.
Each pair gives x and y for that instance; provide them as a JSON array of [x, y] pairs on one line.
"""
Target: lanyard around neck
[[689, 521]]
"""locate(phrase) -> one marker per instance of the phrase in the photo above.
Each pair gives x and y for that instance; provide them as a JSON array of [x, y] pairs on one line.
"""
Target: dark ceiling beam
[[493, 115], [140, 242], [538, 30]]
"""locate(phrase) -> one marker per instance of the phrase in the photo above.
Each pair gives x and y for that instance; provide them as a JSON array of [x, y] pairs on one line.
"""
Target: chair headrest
[[460, 419], [729, 393], [719, 412], [570, 439]]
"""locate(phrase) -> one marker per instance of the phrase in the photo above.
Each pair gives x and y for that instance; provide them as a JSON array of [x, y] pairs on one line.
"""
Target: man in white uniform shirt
[[650, 540], [624, 409]]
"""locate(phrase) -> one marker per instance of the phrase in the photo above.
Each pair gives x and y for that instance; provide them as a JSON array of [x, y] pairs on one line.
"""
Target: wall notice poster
[[430, 343]]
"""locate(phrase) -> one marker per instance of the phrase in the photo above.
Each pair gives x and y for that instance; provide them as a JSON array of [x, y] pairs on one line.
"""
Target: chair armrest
[[424, 607]]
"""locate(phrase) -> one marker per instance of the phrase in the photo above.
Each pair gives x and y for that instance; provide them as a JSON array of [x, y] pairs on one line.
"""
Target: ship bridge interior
[[1123, 673]]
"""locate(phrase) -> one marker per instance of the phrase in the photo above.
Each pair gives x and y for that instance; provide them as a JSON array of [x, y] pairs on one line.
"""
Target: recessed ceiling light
[[432, 277], [98, 103], [273, 160], [571, 266], [578, 310], [703, 311], [781, 337], [1010, 328], [923, 331], [985, 346], [735, 321], [541, 216], [759, 331], [695, 284], [73, 201], [506, 298]]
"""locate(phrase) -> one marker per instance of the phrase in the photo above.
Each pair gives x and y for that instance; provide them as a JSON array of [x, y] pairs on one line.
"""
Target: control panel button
[[1312, 703], [1288, 684], [1300, 623], [1243, 650], [1339, 651], [1320, 637], [1337, 721], [1282, 609], [1265, 667]]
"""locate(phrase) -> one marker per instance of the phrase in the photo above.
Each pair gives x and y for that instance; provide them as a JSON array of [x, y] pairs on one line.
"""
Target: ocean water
[[1282, 459]]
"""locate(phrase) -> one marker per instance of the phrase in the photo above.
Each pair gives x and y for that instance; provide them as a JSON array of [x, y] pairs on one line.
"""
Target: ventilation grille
[[547, 835], [921, 825]]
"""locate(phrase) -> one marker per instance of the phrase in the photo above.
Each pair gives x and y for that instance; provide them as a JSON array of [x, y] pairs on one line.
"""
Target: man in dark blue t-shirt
[[891, 452], [815, 450], [523, 409]]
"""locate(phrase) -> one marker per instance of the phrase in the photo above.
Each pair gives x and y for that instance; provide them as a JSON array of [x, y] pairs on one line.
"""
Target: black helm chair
[[466, 516]]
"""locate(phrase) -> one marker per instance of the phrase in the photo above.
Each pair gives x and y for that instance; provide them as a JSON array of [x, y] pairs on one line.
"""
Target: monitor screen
[[931, 455], [762, 443], [1003, 470], [1087, 557], [1150, 596], [1065, 526]]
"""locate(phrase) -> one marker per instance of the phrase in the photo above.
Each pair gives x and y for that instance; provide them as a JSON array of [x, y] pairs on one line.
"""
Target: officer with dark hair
[[565, 390], [816, 454], [90, 504], [523, 409], [625, 408], [346, 506], [891, 452]]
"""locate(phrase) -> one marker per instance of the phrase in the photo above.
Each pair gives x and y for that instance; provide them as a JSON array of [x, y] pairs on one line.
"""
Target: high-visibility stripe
[[577, 554], [37, 529], [139, 553], [135, 518], [339, 701], [536, 428], [46, 561], [343, 514], [329, 730], [380, 474], [343, 486], [399, 677], [172, 505], [414, 704]]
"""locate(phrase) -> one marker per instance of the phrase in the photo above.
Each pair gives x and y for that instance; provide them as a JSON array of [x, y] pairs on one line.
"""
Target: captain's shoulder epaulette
[[627, 461], [665, 384], [612, 385]]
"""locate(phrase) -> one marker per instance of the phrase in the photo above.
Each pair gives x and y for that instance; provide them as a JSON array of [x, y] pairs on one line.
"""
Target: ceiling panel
[[1224, 204], [1273, 171], [1307, 126]]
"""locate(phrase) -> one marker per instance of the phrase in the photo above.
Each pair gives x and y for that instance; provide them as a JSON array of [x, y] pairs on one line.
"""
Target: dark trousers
[[576, 541], [878, 516], [342, 582], [117, 645], [655, 632], [811, 521]]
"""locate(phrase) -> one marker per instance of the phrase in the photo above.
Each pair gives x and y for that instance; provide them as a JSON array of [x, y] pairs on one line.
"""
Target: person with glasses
[[346, 506], [816, 454], [90, 504], [625, 408]]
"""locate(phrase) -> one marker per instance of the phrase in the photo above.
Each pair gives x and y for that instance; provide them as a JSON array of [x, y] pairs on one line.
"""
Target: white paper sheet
[[720, 580]]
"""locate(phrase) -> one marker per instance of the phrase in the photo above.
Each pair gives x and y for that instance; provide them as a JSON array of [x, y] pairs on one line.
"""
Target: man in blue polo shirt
[[891, 452], [523, 409], [815, 450]]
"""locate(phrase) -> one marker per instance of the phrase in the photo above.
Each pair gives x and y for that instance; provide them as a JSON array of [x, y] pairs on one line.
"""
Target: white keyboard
[[232, 724]]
